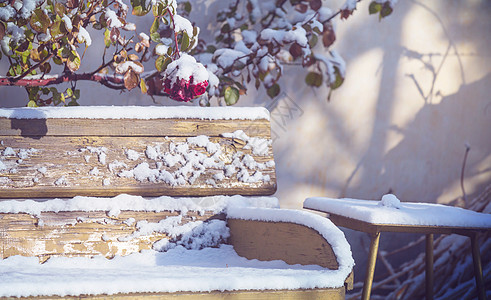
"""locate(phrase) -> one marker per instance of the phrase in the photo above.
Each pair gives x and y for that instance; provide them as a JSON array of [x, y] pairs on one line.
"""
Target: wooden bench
[[72, 188]]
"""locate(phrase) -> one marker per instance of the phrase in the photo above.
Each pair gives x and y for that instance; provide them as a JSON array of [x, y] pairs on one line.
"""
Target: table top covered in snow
[[393, 212]]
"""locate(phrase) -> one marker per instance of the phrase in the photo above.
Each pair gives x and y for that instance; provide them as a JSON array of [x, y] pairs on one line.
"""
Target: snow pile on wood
[[215, 204]]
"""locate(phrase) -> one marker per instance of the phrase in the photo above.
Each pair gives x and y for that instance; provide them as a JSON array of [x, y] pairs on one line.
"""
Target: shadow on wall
[[425, 159]]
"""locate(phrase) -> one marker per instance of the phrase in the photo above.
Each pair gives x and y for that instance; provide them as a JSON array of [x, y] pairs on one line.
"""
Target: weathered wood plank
[[130, 127], [292, 243], [317, 294], [65, 166], [81, 233]]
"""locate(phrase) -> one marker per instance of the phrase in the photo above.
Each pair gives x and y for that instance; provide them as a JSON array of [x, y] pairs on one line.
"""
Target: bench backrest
[[152, 151]]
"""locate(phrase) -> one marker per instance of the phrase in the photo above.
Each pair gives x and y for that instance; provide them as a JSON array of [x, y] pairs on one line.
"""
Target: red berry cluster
[[184, 90]]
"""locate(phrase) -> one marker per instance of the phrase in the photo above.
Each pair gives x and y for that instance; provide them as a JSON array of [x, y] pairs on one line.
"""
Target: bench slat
[[317, 294], [66, 166], [76, 233], [130, 127]]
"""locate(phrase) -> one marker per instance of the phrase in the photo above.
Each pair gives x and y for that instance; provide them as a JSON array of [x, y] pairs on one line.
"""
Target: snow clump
[[390, 200]]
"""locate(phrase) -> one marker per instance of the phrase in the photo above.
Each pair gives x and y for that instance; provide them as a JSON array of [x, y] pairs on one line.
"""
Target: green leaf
[[107, 38], [162, 62], [374, 8], [155, 26], [273, 91], [57, 60], [313, 79], [155, 37], [73, 103], [60, 9], [40, 21], [76, 94], [211, 49], [56, 96], [73, 62], [158, 9], [32, 103], [69, 92], [57, 30], [386, 10], [339, 79], [231, 95], [184, 41], [225, 28], [313, 41], [143, 86], [187, 7], [139, 10]]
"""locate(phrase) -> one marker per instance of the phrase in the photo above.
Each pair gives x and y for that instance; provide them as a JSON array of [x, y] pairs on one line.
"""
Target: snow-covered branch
[[254, 40]]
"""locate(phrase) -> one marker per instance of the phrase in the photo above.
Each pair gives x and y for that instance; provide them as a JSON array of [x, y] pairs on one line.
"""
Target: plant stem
[[175, 34]]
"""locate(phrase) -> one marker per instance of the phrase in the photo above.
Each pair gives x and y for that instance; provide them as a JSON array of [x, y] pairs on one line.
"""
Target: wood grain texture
[[317, 294], [292, 243], [81, 233], [66, 166], [129, 127]]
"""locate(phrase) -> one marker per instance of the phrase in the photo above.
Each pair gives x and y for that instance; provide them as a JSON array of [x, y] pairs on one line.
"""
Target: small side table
[[370, 217]]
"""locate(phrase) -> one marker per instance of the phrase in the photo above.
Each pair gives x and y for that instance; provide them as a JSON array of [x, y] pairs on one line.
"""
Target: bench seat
[[184, 268]]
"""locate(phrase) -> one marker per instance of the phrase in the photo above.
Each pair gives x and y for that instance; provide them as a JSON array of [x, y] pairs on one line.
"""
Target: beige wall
[[417, 89]]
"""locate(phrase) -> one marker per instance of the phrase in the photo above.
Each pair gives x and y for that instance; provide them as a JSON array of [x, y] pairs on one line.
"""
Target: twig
[[111, 81], [388, 266], [32, 68], [464, 196], [175, 34]]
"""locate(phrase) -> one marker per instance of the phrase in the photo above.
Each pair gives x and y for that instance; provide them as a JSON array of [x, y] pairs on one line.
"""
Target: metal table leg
[[372, 259], [429, 267], [476, 259]]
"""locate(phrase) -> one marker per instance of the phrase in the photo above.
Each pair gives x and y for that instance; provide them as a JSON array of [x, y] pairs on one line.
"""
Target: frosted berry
[[184, 90], [185, 79]]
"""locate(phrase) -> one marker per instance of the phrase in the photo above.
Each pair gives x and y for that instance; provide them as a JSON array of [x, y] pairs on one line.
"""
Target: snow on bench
[[184, 267], [145, 200]]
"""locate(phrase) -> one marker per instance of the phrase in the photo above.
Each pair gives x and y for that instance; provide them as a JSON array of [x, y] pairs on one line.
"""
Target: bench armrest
[[294, 236]]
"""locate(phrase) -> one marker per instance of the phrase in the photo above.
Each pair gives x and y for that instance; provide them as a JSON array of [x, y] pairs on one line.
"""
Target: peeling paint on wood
[[80, 233], [62, 163]]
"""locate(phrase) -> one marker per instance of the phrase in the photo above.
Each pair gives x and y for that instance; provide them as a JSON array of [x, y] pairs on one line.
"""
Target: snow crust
[[209, 269], [388, 211], [215, 204], [137, 112]]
